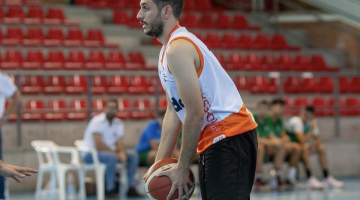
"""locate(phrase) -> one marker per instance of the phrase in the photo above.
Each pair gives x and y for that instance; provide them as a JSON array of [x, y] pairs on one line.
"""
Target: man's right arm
[[169, 133], [100, 146]]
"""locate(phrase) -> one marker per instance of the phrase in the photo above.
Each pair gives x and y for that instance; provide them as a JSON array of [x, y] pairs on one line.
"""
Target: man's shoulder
[[294, 119], [118, 121]]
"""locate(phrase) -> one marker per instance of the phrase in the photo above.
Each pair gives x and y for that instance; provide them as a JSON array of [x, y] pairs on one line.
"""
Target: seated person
[[105, 133], [273, 141], [304, 130], [149, 141]]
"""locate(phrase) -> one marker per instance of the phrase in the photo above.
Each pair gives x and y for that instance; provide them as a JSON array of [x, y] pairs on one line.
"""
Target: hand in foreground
[[15, 172], [180, 181], [122, 157]]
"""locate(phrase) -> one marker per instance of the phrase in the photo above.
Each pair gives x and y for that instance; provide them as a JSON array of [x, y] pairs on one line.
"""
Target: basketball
[[159, 187]]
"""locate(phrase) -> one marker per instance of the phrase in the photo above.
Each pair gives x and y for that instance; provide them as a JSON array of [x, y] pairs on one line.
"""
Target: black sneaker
[[113, 194], [133, 193], [261, 185]]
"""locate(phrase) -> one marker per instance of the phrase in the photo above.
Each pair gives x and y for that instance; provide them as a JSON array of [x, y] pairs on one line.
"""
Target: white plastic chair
[[99, 169], [62, 168]]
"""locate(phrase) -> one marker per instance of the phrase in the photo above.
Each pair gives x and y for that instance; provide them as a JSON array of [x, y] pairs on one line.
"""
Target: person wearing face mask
[[105, 133]]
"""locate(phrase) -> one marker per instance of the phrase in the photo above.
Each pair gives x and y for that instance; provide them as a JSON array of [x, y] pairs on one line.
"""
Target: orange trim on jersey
[[167, 40], [169, 69], [197, 49], [234, 124]]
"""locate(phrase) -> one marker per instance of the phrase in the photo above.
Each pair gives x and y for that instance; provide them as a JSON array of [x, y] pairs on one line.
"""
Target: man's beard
[[110, 117], [156, 27]]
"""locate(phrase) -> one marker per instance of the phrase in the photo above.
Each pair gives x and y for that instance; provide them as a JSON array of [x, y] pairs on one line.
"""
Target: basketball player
[[204, 99]]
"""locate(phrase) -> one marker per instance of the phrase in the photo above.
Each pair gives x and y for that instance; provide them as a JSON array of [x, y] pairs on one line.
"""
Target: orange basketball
[[158, 188]]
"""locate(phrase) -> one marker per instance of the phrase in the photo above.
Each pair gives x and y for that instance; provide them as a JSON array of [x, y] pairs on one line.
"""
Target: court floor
[[351, 191]]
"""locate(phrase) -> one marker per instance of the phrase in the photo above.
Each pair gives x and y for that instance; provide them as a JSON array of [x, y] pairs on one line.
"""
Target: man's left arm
[[14, 100], [181, 58], [120, 150]]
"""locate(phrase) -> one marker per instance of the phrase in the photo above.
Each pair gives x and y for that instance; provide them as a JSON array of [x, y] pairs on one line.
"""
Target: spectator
[[273, 141], [105, 132], [150, 140], [304, 130]]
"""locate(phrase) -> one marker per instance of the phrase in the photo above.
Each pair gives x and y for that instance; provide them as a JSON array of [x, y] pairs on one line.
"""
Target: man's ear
[[167, 11]]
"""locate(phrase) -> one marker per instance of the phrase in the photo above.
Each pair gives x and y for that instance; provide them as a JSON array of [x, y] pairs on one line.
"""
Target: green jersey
[[296, 125], [268, 126]]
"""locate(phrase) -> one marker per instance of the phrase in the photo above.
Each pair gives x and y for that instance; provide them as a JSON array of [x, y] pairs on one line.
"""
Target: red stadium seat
[[82, 2], [331, 105], [35, 60], [14, 37], [223, 21], [13, 60], [221, 59], [77, 85], [163, 104], [242, 83], [56, 61], [55, 37], [2, 14], [199, 36], [125, 108], [34, 111], [228, 41], [75, 38], [212, 40], [285, 63], [56, 110], [345, 85], [273, 85], [98, 106], [319, 104], [352, 107], [33, 85], [35, 37], [55, 16], [114, 4], [78, 110], [355, 84], [99, 85], [240, 23], [118, 85], [235, 62], [292, 85], [318, 64], [96, 39], [301, 102], [207, 21], [15, 15], [252, 62], [55, 85], [134, 22], [136, 62], [152, 86], [203, 5], [120, 17], [302, 63], [259, 85], [96, 61], [35, 16], [268, 62], [139, 85], [98, 4], [245, 42], [189, 5], [309, 85], [143, 109], [190, 20], [278, 42], [115, 61], [262, 42], [76, 60], [325, 85]]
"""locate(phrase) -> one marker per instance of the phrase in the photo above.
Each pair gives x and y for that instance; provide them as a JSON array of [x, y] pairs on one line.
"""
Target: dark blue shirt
[[151, 132]]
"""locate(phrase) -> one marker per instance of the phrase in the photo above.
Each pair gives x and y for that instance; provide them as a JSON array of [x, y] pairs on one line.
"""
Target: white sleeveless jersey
[[225, 112]]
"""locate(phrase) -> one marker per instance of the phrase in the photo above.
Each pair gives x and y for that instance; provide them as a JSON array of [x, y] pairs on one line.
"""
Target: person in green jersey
[[273, 141], [304, 130]]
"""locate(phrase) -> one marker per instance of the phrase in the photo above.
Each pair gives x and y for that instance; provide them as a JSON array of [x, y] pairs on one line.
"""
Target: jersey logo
[[217, 139], [178, 105]]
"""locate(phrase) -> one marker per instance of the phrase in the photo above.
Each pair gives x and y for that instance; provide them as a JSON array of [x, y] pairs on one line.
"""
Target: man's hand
[[122, 157], [180, 181], [15, 172]]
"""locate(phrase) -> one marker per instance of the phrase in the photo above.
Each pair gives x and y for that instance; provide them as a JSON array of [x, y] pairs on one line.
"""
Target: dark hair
[[161, 113], [278, 101], [112, 101], [177, 6], [263, 102], [310, 109]]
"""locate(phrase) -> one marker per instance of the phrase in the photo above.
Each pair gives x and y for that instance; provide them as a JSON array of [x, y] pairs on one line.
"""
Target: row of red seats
[[36, 15], [244, 41], [257, 84], [223, 21], [269, 62], [76, 61], [20, 3], [54, 37], [324, 107], [58, 109], [200, 5], [79, 85]]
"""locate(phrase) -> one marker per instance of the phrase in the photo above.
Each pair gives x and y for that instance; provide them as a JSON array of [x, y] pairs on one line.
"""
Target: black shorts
[[227, 168]]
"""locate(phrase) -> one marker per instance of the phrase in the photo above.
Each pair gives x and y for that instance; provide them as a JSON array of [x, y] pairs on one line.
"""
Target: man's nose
[[139, 16]]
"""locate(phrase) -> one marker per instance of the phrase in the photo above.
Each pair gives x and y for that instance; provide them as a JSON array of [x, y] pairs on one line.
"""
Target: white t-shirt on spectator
[[110, 133], [7, 90]]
